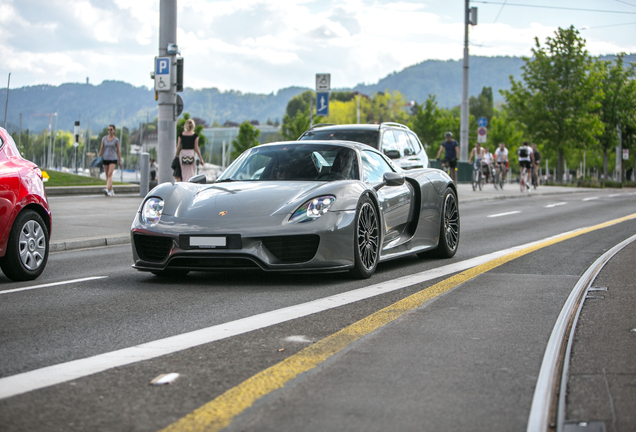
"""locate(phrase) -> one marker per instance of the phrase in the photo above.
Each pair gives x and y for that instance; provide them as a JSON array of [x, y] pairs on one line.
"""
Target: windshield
[[369, 137], [295, 162]]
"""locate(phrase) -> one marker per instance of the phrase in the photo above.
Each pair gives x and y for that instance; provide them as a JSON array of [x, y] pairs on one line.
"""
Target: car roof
[[337, 143], [354, 126], [344, 126]]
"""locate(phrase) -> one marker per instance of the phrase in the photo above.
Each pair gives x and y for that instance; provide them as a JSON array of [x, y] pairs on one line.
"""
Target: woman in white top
[[109, 151]]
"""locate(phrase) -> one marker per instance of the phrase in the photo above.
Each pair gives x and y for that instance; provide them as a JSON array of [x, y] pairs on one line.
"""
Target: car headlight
[[313, 209], [151, 211]]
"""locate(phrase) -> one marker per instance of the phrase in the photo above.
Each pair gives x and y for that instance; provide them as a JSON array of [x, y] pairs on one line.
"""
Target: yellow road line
[[218, 413]]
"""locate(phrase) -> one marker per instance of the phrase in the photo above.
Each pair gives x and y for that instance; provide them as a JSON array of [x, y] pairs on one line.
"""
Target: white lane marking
[[505, 214], [72, 281], [75, 369], [555, 204], [590, 198], [614, 195]]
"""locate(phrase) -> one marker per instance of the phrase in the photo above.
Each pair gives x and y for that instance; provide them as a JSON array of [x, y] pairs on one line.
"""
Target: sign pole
[[167, 124]]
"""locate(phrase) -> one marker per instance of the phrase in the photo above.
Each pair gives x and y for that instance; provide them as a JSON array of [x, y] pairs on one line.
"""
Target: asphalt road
[[468, 360]]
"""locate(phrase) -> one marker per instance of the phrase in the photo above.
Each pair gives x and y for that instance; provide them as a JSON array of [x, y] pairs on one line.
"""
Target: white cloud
[[264, 45]]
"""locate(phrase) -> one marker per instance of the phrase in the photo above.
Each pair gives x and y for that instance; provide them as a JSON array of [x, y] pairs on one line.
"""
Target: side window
[[389, 142], [373, 167], [404, 144], [415, 142]]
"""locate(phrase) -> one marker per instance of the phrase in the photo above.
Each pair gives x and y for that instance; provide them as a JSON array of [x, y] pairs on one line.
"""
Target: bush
[[612, 184]]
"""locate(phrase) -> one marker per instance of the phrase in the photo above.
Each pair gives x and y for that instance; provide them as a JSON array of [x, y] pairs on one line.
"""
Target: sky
[[261, 46]]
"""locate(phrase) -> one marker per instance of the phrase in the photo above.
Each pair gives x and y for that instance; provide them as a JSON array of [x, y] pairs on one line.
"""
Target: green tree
[[198, 129], [387, 107], [246, 138], [482, 105], [558, 95], [426, 122], [300, 103], [293, 127], [617, 106]]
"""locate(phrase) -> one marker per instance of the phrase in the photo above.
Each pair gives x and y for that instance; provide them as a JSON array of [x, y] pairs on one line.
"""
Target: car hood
[[240, 200]]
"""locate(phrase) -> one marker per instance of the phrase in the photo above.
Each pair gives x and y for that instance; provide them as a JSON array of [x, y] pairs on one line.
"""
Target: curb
[[89, 190], [88, 242]]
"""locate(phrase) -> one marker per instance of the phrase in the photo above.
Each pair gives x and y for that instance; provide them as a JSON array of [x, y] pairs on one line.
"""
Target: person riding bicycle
[[451, 148], [537, 163], [478, 152], [501, 159], [486, 163], [526, 160]]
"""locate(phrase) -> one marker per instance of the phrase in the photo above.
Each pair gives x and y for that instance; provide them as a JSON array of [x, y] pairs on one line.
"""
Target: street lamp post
[[470, 17]]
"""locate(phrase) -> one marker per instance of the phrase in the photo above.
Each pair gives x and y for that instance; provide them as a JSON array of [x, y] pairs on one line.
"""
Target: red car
[[25, 216]]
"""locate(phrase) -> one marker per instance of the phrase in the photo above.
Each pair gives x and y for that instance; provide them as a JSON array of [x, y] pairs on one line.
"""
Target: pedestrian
[[537, 163], [451, 154], [111, 156], [187, 148], [153, 170]]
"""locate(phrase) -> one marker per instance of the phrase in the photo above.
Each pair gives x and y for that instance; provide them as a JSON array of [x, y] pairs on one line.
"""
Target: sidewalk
[[84, 218]]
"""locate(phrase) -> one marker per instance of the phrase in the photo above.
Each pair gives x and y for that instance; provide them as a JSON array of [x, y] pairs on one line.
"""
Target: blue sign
[[482, 122], [163, 79], [322, 104], [163, 66]]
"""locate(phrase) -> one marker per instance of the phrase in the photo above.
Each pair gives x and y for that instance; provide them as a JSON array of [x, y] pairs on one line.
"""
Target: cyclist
[[537, 163], [501, 159], [451, 148], [526, 161], [478, 152], [486, 163]]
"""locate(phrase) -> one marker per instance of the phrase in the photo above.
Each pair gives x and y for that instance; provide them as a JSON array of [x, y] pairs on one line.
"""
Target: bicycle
[[499, 177], [523, 183], [478, 178], [447, 169]]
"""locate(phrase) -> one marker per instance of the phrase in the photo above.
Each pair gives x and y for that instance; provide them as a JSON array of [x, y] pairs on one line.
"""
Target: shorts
[[109, 162], [503, 164], [525, 164], [451, 162]]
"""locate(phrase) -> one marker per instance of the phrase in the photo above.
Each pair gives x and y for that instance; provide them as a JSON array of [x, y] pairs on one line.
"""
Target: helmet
[[448, 134]]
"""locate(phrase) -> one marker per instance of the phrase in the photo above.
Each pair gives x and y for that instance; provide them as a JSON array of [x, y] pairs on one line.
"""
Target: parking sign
[[323, 82], [163, 79]]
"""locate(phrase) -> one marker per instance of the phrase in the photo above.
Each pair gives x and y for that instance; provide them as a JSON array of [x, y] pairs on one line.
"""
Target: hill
[[103, 103]]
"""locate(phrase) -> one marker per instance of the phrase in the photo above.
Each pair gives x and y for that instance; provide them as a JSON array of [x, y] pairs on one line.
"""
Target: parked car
[[395, 140], [25, 216], [298, 206]]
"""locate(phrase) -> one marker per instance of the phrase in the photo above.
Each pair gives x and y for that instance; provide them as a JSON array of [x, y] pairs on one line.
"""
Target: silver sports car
[[296, 207]]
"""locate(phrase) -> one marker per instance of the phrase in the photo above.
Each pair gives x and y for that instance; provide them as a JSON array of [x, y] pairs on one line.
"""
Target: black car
[[393, 139]]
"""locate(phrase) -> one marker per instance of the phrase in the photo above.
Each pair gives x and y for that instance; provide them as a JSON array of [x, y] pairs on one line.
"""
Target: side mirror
[[391, 179], [392, 154], [198, 179]]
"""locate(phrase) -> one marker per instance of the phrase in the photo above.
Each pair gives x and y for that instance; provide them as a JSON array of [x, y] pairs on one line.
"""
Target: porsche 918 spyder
[[303, 206]]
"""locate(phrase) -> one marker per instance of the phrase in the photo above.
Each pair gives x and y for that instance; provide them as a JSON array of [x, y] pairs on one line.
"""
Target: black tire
[[449, 229], [366, 239], [27, 248], [171, 273]]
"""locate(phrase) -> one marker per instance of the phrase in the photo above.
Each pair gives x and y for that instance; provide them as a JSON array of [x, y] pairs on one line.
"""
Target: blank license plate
[[208, 242]]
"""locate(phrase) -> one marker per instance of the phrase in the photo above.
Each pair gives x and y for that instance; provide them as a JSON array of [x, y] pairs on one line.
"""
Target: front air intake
[[293, 249]]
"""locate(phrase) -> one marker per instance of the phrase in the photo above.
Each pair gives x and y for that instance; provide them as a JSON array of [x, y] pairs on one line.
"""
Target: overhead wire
[[553, 7]]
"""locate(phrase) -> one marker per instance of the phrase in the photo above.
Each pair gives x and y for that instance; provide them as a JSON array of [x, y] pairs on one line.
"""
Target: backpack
[[523, 152]]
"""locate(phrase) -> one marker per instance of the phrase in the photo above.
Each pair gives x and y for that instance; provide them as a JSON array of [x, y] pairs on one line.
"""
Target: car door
[[9, 188], [395, 201]]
